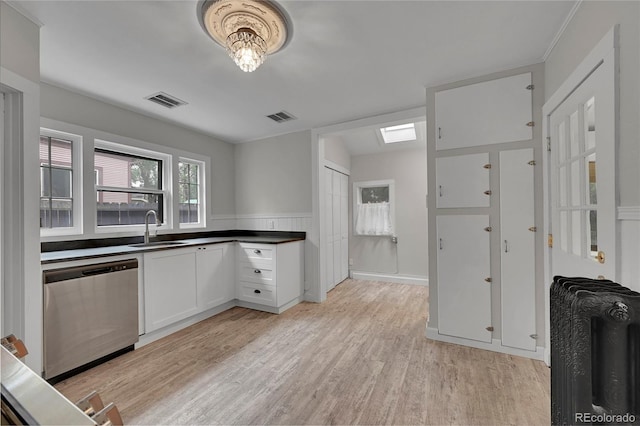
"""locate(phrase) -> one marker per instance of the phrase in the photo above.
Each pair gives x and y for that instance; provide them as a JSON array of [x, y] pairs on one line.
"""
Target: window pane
[[590, 168], [575, 183], [128, 171], [189, 192], [592, 233], [56, 213], [193, 194], [576, 232], [574, 135], [184, 193], [379, 194], [590, 123], [126, 208], [56, 209], [193, 175]]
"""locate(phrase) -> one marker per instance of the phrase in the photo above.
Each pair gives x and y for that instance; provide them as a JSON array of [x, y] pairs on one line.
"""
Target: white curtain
[[373, 219]]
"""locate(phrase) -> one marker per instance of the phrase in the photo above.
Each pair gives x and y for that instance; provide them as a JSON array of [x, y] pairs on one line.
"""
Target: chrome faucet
[[146, 224]]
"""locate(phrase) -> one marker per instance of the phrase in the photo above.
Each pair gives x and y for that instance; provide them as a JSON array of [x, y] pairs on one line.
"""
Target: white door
[[337, 227], [464, 291], [344, 227], [582, 185], [517, 256], [328, 217], [463, 181]]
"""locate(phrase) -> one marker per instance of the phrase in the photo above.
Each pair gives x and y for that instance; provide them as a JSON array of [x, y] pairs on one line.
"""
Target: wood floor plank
[[359, 358]]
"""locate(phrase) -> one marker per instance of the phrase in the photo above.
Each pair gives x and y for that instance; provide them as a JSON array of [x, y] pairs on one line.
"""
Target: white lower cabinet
[[179, 283], [270, 275], [182, 282], [170, 291], [214, 280]]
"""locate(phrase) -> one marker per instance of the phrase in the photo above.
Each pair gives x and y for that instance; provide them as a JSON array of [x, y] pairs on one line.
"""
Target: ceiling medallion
[[249, 29]]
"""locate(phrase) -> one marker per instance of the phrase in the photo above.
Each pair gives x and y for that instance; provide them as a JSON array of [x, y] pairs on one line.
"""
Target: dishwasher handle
[[97, 271]]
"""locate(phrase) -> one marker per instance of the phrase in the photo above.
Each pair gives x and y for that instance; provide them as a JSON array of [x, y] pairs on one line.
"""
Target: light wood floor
[[359, 358]]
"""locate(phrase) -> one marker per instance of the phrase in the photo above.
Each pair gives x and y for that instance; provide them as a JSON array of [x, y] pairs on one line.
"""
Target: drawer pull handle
[[257, 271], [256, 251], [257, 291]]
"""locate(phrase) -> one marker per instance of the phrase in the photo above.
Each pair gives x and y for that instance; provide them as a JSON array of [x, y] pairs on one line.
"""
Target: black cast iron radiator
[[595, 352]]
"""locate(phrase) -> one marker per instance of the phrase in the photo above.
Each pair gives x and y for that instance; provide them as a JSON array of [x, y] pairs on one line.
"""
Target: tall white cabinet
[[336, 227], [483, 200]]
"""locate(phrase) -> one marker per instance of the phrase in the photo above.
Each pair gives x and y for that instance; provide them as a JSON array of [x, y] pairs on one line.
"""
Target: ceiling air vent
[[166, 100], [281, 117]]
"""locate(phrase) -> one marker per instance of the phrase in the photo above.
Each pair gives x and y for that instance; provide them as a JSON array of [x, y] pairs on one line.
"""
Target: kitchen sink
[[158, 243]]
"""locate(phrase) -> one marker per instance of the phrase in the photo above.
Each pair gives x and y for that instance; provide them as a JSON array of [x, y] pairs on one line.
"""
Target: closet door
[[485, 113], [344, 226], [328, 216], [337, 227], [464, 295], [463, 181], [517, 257]]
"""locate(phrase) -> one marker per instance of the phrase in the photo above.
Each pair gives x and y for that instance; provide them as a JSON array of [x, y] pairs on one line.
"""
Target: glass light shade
[[247, 49]]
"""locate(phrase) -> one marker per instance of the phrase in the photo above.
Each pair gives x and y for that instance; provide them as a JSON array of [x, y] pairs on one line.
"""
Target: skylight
[[400, 133]]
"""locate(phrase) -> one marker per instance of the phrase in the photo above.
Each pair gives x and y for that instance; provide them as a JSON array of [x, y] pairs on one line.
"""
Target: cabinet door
[[169, 287], [213, 284], [464, 297], [484, 113], [461, 181], [517, 256]]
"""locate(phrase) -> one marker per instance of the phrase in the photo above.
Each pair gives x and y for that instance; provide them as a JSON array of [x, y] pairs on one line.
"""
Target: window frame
[[76, 183], [166, 190], [357, 200], [202, 217]]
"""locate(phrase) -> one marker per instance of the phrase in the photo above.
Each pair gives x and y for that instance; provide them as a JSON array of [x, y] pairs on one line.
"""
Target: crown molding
[[22, 11], [562, 29]]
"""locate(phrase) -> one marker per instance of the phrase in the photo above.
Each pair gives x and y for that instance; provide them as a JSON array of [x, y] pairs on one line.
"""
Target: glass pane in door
[[590, 124]]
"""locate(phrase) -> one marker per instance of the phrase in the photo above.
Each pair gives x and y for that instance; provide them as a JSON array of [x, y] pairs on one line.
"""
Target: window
[[190, 192], [374, 208], [59, 182], [128, 185], [400, 133]]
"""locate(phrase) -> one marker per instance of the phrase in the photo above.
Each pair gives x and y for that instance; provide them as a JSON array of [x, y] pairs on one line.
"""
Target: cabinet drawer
[[257, 293], [253, 252], [255, 274]]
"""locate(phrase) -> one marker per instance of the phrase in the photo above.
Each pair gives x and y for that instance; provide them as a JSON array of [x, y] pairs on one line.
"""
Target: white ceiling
[[346, 59]]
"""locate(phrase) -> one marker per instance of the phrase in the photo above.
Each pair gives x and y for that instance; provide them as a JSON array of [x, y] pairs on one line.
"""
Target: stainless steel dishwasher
[[90, 315]]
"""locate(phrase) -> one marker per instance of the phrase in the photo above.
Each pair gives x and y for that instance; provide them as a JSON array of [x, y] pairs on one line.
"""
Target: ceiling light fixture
[[249, 29]]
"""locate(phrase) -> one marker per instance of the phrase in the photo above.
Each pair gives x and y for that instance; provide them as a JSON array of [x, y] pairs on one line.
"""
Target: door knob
[[600, 257]]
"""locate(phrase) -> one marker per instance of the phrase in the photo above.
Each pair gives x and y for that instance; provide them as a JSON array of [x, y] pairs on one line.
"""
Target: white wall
[[70, 107], [19, 44], [408, 169], [592, 21], [273, 175], [21, 281], [336, 151]]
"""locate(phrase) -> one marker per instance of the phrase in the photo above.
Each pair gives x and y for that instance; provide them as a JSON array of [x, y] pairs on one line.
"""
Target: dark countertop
[[90, 249]]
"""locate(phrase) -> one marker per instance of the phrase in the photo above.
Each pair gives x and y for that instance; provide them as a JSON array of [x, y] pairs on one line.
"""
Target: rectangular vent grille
[[166, 100], [280, 117]]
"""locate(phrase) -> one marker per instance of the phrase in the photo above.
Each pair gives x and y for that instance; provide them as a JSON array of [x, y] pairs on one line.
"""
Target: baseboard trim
[[152, 336], [390, 278], [494, 346]]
